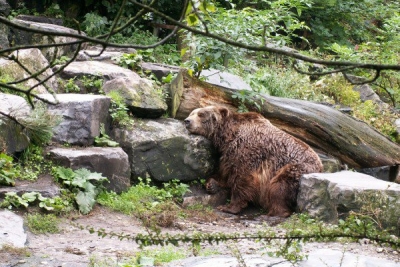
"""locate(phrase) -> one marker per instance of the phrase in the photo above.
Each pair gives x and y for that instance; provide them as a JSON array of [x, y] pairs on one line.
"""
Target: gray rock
[[5, 8], [34, 61], [317, 258], [163, 150], [108, 55], [4, 30], [111, 162], [224, 79], [45, 185], [330, 163], [367, 93], [198, 194], [140, 96], [386, 173], [102, 70], [82, 116], [11, 230], [12, 137], [41, 19], [20, 37], [229, 261], [329, 257], [159, 70], [330, 196]]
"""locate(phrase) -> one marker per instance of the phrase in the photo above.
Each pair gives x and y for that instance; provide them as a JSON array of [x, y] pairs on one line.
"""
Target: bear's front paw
[[229, 209], [212, 186]]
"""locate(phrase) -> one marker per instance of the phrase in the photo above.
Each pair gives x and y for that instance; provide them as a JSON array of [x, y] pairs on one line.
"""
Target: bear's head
[[205, 121]]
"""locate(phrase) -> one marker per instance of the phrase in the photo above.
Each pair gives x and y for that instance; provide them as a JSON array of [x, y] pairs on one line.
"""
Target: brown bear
[[259, 163]]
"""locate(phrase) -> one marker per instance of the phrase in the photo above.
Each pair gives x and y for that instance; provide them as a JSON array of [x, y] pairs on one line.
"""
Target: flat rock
[[111, 162], [330, 196], [81, 117], [99, 69], [44, 185], [11, 229], [317, 258], [21, 37], [224, 79]]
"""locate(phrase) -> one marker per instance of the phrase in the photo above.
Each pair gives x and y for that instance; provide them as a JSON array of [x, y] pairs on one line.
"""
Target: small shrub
[[43, 224]]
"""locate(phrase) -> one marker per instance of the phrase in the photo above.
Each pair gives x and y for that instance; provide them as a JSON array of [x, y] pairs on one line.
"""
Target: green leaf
[[65, 174], [85, 201], [30, 197]]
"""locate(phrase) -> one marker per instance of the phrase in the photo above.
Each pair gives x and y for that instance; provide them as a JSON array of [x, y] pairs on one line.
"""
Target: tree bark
[[354, 142]]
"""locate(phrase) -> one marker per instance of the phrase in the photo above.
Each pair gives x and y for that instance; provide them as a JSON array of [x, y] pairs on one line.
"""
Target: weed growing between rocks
[[119, 112]]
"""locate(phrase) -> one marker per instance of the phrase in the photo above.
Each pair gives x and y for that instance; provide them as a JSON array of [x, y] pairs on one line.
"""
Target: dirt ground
[[75, 247]]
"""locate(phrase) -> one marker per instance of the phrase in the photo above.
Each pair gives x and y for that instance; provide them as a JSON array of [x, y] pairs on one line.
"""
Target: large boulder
[[82, 116], [111, 162], [140, 96], [12, 230], [12, 137], [98, 69], [163, 150], [331, 196], [34, 61], [21, 37]]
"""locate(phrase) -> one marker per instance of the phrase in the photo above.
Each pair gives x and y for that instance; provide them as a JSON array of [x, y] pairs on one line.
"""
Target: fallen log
[[352, 141]]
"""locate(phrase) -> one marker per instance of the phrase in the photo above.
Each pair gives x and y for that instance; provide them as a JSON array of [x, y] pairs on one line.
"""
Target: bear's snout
[[187, 122]]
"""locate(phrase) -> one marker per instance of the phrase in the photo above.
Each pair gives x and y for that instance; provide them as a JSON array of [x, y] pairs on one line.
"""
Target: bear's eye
[[200, 114]]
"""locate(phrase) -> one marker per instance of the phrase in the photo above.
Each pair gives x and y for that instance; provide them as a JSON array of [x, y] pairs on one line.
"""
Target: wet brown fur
[[259, 163]]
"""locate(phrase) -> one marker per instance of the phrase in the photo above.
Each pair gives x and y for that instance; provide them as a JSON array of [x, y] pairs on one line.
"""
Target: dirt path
[[74, 247]]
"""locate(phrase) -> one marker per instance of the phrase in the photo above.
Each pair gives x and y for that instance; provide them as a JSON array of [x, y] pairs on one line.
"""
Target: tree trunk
[[354, 142]]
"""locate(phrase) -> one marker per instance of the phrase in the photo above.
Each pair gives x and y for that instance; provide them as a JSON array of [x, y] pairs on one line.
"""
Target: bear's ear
[[223, 111]]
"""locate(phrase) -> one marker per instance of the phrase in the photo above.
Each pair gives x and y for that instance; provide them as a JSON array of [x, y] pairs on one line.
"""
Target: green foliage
[[94, 24], [380, 118], [71, 87], [119, 110], [164, 254], [84, 184], [154, 206], [8, 172], [247, 98], [56, 204], [379, 208], [54, 11], [43, 224], [92, 83], [133, 60], [249, 26], [32, 163], [62, 60], [103, 139]]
